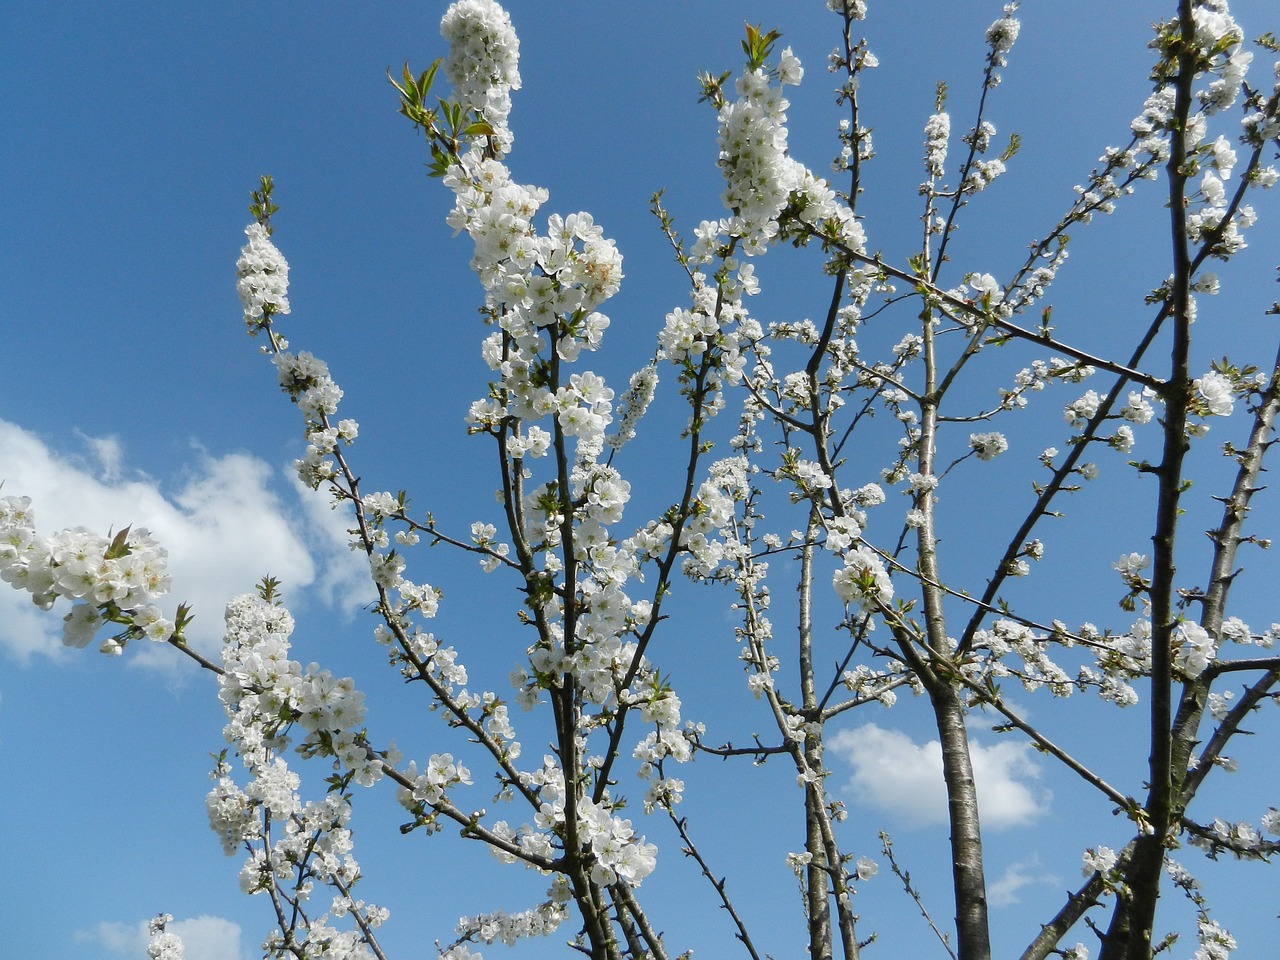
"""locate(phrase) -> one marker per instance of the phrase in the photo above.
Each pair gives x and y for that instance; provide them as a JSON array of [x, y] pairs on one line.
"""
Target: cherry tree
[[821, 458]]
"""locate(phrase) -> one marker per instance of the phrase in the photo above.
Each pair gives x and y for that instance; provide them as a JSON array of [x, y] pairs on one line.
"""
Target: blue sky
[[135, 131]]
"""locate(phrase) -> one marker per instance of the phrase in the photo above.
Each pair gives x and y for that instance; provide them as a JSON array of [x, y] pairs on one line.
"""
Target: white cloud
[[224, 528], [109, 453], [344, 580], [893, 773], [120, 938], [1019, 874], [209, 938], [203, 938]]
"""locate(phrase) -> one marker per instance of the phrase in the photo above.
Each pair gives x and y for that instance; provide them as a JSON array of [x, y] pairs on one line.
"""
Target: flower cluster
[[267, 696], [540, 921], [1099, 860], [483, 62], [1039, 375], [262, 277], [108, 580], [988, 446], [1194, 648], [937, 134], [1213, 395], [863, 580], [1002, 34], [429, 787], [762, 181], [853, 9], [307, 382], [263, 285], [660, 706], [1119, 659], [557, 428], [161, 944], [1215, 942], [1211, 215], [537, 285], [265, 692], [634, 403], [1219, 41], [1079, 412], [753, 155], [1037, 670], [617, 850]]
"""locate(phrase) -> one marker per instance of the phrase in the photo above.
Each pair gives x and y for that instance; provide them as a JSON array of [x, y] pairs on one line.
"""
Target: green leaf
[[428, 77], [1015, 143], [758, 46], [269, 589], [119, 548]]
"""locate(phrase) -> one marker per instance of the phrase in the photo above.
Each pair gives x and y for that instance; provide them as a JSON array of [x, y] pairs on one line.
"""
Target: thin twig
[[886, 845]]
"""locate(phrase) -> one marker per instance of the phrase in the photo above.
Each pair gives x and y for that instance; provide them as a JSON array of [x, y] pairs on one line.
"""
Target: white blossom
[[988, 446], [262, 276], [483, 61]]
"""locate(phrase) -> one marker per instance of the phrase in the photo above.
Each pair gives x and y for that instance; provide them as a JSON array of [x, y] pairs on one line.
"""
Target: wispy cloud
[[1017, 875], [343, 580], [891, 772], [223, 526], [203, 938]]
